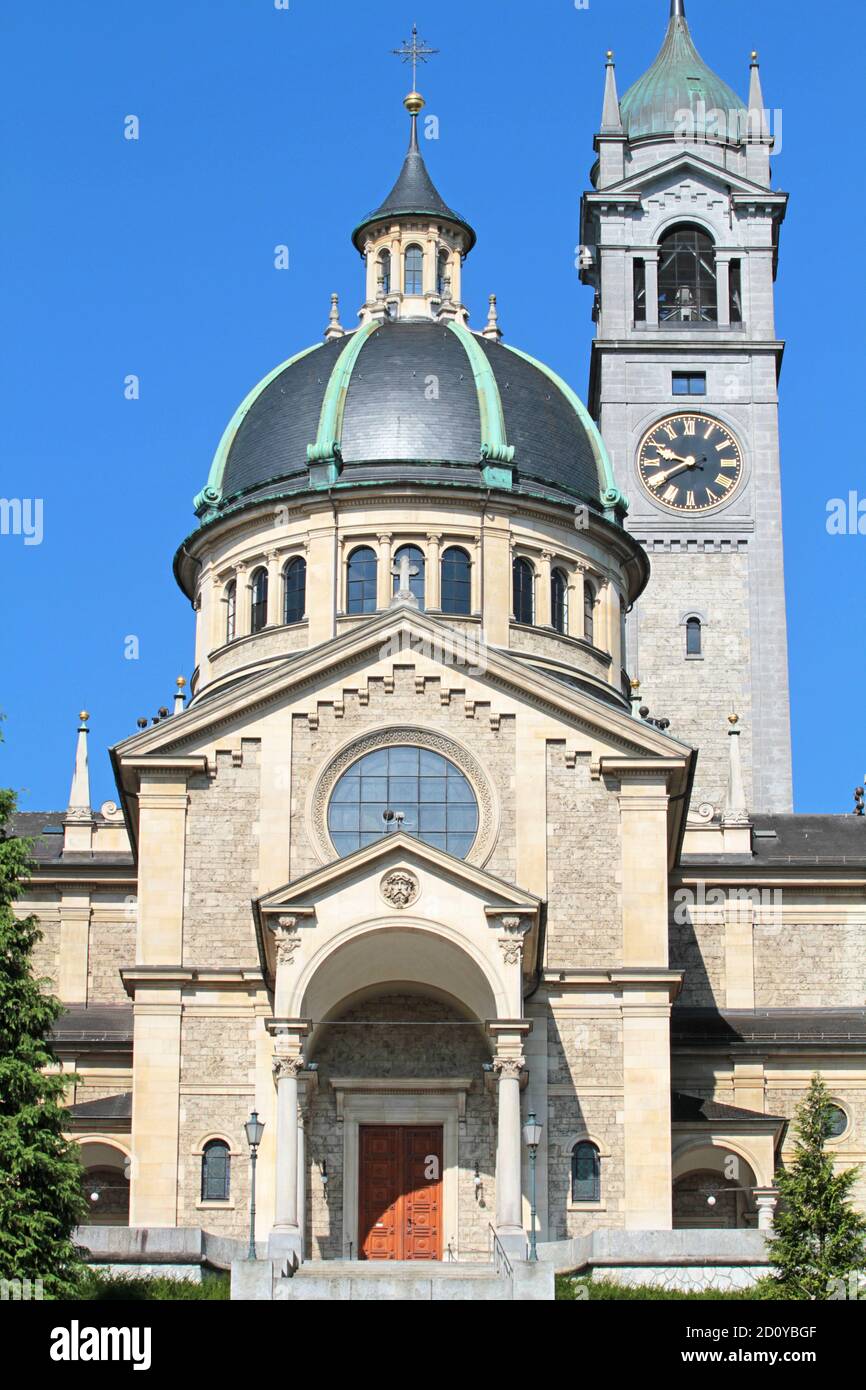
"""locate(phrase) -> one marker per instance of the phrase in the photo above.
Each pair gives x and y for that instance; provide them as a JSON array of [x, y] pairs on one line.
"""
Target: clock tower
[[680, 235]]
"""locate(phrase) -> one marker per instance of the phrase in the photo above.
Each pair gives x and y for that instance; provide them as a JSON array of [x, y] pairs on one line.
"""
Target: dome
[[680, 81], [411, 400]]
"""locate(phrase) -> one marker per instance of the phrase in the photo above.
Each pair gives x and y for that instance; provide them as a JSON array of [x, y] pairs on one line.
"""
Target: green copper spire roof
[[679, 81]]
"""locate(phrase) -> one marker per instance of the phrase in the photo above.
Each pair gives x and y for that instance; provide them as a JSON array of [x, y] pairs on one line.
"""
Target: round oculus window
[[403, 788]]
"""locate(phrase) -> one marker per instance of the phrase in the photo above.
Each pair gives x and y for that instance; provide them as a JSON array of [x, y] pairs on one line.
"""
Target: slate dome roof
[[411, 400]]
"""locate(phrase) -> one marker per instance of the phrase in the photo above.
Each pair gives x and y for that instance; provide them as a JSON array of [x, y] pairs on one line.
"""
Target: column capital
[[508, 1068]]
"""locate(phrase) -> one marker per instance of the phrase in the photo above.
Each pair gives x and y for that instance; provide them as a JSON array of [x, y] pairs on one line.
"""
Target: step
[[393, 1280], [390, 1269]]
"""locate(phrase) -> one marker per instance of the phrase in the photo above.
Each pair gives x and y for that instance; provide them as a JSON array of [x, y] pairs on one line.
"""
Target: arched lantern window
[[259, 588], [687, 277], [413, 276], [295, 590]]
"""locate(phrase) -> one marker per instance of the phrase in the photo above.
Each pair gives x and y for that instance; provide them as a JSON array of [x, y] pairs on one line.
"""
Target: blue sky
[[262, 126]]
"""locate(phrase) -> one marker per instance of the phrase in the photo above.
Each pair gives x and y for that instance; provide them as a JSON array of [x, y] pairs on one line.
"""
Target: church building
[[475, 813]]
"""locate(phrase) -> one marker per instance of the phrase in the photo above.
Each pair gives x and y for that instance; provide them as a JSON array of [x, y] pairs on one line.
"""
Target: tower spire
[[78, 821], [611, 120]]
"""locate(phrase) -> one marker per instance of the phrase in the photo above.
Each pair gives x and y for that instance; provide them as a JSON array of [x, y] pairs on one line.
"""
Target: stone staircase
[[412, 1280]]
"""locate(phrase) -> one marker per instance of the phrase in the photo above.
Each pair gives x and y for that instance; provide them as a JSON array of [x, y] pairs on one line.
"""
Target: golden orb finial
[[635, 685], [733, 719], [83, 715], [180, 682], [413, 102]]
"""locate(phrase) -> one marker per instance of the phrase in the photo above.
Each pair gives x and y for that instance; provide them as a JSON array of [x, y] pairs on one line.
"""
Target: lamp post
[[254, 1128], [532, 1139]]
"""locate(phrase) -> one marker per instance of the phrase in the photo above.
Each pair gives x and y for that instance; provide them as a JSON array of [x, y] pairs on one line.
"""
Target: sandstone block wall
[[221, 867], [584, 914]]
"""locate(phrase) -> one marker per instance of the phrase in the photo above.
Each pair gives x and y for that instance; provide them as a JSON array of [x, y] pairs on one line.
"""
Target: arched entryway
[[105, 1183], [713, 1189], [402, 1123]]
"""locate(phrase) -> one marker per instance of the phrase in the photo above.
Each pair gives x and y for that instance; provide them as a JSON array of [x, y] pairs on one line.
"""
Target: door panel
[[423, 1193], [378, 1209], [400, 1192]]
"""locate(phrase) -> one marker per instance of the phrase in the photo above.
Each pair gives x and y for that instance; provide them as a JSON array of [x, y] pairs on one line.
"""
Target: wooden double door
[[400, 1192]]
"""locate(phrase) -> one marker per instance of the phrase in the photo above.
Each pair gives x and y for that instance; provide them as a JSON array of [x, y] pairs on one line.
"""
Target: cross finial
[[404, 572], [414, 53]]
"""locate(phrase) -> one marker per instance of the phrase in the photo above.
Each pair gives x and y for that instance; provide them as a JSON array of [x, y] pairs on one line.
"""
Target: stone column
[[723, 291], [285, 1239], [575, 601], [651, 269], [766, 1199], [275, 591], [542, 597], [613, 623], [509, 1197], [433, 573], [243, 602], [383, 571], [302, 1177]]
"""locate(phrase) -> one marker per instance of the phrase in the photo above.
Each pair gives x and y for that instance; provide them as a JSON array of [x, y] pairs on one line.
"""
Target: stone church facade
[[414, 860]]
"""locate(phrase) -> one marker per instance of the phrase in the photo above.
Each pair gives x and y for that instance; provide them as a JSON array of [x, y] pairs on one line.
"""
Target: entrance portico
[[398, 977]]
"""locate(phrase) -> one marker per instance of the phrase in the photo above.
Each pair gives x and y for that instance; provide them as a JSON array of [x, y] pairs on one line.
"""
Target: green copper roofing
[[326, 450], [497, 454], [211, 493], [613, 499], [679, 82]]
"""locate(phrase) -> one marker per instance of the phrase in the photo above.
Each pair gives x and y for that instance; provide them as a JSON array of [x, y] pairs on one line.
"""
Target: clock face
[[690, 463]]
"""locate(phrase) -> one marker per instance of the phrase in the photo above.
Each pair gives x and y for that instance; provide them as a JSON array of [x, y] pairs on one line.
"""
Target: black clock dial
[[690, 463]]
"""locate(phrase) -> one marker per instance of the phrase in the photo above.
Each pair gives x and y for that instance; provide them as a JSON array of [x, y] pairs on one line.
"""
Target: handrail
[[501, 1262]]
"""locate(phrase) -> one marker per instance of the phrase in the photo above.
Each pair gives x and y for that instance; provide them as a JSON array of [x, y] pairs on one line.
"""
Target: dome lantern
[[413, 244]]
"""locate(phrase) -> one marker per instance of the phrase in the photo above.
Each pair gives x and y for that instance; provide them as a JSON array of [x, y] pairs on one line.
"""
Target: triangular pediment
[[394, 636], [400, 863], [685, 164], [401, 637]]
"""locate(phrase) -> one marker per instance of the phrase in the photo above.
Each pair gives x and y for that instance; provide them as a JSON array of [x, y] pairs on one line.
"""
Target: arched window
[[361, 581], [383, 273], [523, 577], [694, 637], [456, 581], [687, 277], [589, 612], [559, 600], [259, 614], [215, 1171], [413, 281], [413, 571], [585, 1173], [295, 590], [443, 272], [231, 597]]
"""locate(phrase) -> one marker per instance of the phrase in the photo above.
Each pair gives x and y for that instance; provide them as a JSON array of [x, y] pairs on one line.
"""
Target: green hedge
[[131, 1288], [570, 1287]]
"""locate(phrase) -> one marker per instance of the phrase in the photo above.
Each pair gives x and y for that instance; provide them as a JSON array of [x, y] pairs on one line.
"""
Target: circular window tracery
[[403, 787]]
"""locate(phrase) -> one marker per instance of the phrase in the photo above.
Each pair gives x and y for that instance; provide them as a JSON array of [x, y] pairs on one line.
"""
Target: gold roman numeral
[[710, 431], [689, 426], [724, 482], [669, 431], [729, 463], [690, 500], [671, 494]]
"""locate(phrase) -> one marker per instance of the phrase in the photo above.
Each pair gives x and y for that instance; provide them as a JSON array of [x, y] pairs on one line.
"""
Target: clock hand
[[672, 472]]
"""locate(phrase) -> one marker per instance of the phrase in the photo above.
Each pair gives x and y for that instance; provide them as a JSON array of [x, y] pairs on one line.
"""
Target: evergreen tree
[[40, 1173], [819, 1238]]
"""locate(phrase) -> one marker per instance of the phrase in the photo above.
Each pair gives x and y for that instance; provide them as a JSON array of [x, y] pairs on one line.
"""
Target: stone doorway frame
[[391, 1101]]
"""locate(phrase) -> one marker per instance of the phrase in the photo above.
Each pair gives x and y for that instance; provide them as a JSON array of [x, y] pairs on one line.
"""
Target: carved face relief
[[399, 888]]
